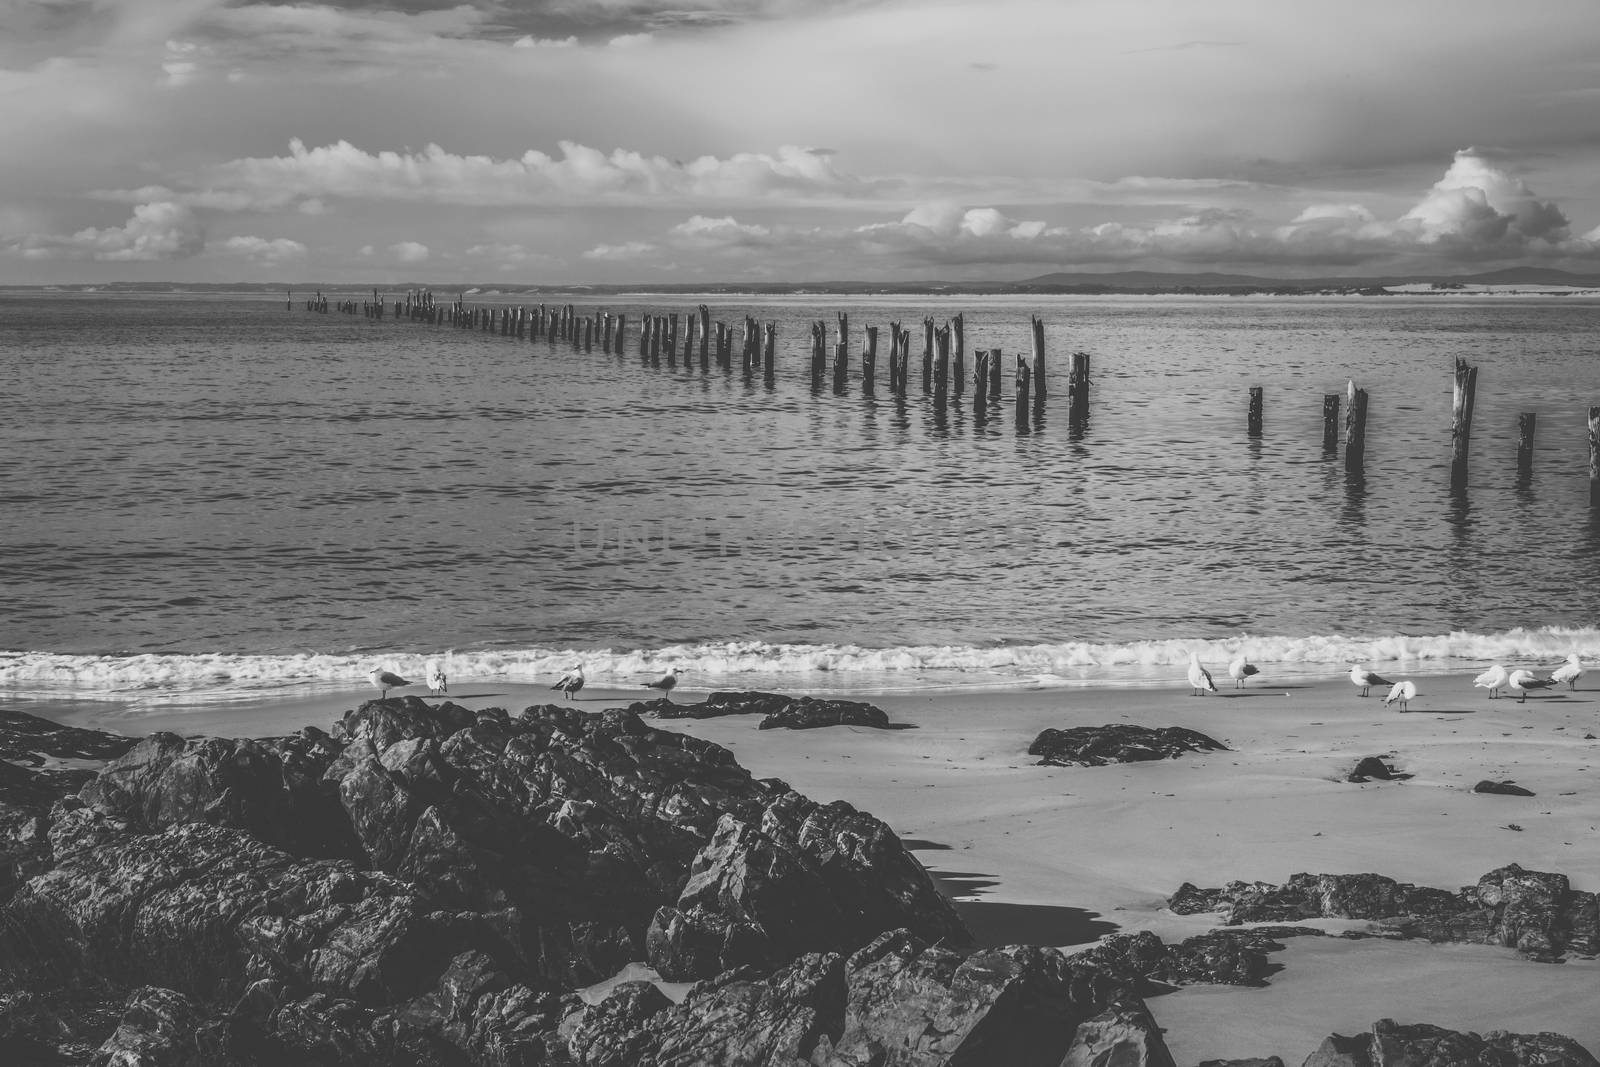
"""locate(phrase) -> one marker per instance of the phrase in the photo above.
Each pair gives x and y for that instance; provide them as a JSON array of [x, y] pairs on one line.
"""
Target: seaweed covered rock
[[1535, 912], [1095, 746], [777, 711], [1391, 1044]]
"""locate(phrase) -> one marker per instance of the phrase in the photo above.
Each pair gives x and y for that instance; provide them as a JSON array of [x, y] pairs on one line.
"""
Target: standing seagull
[[665, 682], [1366, 679], [1491, 679], [385, 681], [1521, 682], [1403, 692], [1241, 669], [437, 682], [571, 682], [1568, 672], [1199, 677]]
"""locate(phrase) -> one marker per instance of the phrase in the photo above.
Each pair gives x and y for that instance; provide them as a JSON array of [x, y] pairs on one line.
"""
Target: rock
[[809, 713], [1095, 746], [31, 741], [1509, 789], [724, 703], [1390, 1044], [1270, 1061], [1221, 957], [1374, 767], [1535, 912], [158, 1029], [1123, 1034]]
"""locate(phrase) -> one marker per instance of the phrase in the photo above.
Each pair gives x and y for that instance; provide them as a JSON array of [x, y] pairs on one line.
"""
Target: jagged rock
[[1095, 746], [1535, 912], [780, 712], [31, 741], [810, 713], [1390, 1044], [158, 1029], [1220, 957], [1372, 767], [1123, 1034], [1270, 1061], [911, 1004], [1510, 789]]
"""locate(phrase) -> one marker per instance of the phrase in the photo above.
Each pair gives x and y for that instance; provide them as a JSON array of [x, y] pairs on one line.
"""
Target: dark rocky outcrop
[[1391, 1044], [1095, 746], [30, 741], [1375, 768], [1219, 957], [1509, 789], [1537, 913], [779, 712]]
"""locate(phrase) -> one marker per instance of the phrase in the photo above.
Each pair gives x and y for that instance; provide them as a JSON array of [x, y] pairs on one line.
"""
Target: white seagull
[[1568, 672], [1491, 679], [1240, 670], [1521, 682], [385, 681], [665, 682], [1403, 692], [1366, 679], [437, 682], [1199, 677], [571, 682]]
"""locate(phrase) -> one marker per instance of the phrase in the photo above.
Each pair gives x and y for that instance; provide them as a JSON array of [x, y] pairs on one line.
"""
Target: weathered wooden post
[[769, 354], [869, 360], [1078, 391], [927, 355], [1038, 359], [752, 344], [958, 370], [1024, 377], [980, 387], [941, 365], [1330, 422], [844, 333], [1527, 421], [622, 332], [995, 371], [1594, 457], [1466, 386], [1253, 419], [705, 336], [1355, 430], [841, 366], [819, 352], [588, 334], [670, 342], [688, 341], [657, 326]]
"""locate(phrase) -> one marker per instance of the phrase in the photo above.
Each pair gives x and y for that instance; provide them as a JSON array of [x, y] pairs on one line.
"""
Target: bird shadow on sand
[[1435, 711]]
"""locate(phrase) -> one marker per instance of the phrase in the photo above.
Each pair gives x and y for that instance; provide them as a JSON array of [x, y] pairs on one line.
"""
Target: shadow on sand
[[994, 923]]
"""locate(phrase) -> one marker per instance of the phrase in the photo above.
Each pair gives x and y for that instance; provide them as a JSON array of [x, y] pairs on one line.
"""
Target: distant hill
[[1066, 282]]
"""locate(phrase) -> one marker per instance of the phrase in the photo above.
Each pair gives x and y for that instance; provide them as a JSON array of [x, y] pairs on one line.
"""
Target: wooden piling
[[958, 371], [1355, 430], [670, 341], [980, 386], [769, 350], [869, 360], [1024, 378], [941, 365], [1078, 391], [995, 372], [1594, 457], [1330, 422], [841, 365], [819, 351], [927, 355], [1527, 422], [1038, 359], [897, 385], [1253, 419], [705, 336], [1466, 387], [688, 341]]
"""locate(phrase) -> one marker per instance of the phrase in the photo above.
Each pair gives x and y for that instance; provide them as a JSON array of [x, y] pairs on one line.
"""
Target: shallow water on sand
[[197, 475]]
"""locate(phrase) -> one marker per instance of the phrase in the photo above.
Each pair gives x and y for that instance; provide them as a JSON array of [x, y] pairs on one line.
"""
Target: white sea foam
[[754, 664]]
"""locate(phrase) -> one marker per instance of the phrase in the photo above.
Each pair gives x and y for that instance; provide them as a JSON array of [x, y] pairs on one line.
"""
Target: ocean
[[225, 494]]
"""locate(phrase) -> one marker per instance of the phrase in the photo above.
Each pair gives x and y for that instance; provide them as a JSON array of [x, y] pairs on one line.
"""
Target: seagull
[[1366, 679], [571, 682], [1491, 679], [1240, 670], [1521, 682], [385, 681], [665, 682], [437, 683], [1568, 672], [1403, 692], [1199, 677]]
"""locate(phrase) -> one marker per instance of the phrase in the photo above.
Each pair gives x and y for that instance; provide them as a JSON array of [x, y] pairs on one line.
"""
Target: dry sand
[[1056, 855]]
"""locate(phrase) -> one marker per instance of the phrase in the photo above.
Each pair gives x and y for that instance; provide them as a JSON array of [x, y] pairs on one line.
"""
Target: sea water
[[224, 493]]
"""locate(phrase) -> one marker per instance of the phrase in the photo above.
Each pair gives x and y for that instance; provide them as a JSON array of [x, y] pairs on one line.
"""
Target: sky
[[558, 142]]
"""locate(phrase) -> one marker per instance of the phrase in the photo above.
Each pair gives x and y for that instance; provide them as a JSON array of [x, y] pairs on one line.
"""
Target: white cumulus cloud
[[160, 230]]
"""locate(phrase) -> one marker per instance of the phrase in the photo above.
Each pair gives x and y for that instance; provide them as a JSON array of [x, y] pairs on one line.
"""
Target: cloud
[[267, 253], [1478, 212], [410, 252], [157, 231], [632, 250], [544, 42]]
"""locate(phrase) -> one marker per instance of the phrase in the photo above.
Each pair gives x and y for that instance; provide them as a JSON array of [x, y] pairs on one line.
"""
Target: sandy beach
[[1064, 855]]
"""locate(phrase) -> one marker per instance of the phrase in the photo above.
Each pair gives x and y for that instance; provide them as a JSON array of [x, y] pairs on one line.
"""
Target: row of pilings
[[694, 339]]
